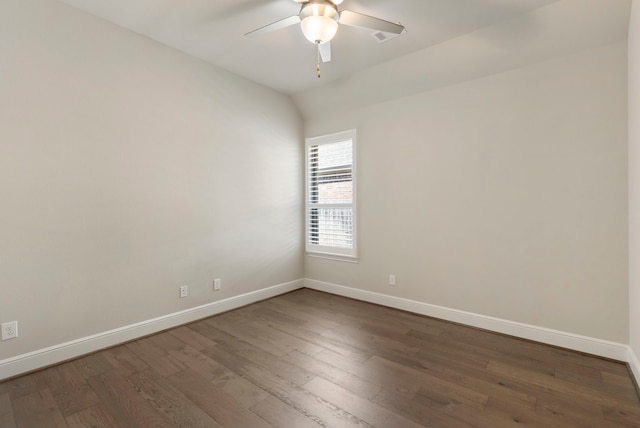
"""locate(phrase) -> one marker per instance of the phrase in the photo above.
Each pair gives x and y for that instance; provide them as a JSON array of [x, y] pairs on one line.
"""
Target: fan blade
[[355, 19], [325, 51], [292, 20]]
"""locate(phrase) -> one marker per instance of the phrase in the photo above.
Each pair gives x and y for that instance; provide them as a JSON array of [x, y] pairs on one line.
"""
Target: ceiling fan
[[319, 21]]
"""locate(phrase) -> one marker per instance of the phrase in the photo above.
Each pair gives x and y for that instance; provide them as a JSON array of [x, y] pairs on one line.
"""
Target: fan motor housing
[[319, 8]]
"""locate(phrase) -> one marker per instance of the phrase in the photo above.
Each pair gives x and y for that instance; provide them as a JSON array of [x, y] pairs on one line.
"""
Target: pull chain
[[318, 52]]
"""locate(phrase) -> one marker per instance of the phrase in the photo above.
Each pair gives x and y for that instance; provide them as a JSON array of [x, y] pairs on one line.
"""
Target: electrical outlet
[[392, 280], [9, 330], [217, 284], [184, 291]]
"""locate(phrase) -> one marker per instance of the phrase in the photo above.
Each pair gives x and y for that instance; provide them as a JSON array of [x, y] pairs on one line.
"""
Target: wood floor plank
[[222, 408], [471, 352], [583, 392], [268, 327], [234, 351], [124, 360], [169, 401], [525, 354], [628, 416], [249, 333], [166, 341], [371, 343], [316, 304], [192, 338], [284, 386], [309, 335], [356, 405], [280, 415], [457, 369], [390, 374], [233, 384], [69, 388], [200, 363], [438, 349], [566, 412], [334, 374], [619, 385], [527, 396], [493, 385], [93, 365], [92, 417], [238, 362], [124, 403], [306, 403], [154, 351], [262, 336], [243, 391], [7, 420], [407, 320], [262, 312], [507, 412], [397, 402], [312, 321], [38, 409], [343, 361], [308, 359], [167, 365], [25, 385], [146, 349]]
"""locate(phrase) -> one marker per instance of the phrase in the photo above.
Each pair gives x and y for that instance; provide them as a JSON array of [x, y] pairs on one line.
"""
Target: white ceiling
[[213, 30]]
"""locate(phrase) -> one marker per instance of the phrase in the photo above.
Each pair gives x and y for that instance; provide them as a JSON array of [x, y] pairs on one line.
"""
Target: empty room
[[319, 213]]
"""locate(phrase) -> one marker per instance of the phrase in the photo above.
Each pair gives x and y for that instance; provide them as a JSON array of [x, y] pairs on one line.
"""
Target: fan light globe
[[319, 29]]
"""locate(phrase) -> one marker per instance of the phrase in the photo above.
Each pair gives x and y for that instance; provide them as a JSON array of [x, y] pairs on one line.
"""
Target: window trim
[[334, 253]]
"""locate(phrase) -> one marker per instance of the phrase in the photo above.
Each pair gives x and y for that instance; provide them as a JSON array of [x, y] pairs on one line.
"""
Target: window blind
[[330, 194]]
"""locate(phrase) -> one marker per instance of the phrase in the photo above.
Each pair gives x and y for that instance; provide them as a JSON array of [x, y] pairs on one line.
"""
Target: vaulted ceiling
[[214, 30]]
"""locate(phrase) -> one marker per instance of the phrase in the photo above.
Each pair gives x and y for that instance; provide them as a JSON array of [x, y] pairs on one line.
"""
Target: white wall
[[128, 169], [634, 185], [504, 196]]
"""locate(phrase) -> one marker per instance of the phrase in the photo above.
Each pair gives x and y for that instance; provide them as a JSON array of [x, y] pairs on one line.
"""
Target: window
[[331, 203]]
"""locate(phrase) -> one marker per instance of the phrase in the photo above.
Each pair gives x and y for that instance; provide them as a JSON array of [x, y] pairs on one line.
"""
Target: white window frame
[[328, 251]]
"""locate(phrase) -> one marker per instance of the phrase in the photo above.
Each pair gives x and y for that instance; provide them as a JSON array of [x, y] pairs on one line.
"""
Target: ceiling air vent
[[382, 37]]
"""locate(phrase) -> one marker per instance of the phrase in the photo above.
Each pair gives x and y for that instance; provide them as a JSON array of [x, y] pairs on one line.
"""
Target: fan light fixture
[[320, 22]]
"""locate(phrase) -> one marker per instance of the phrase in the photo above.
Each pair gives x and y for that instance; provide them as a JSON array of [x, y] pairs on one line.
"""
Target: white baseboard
[[634, 363], [589, 345], [24, 363]]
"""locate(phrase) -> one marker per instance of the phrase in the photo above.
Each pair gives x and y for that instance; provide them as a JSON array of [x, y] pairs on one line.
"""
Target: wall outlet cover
[[9, 330]]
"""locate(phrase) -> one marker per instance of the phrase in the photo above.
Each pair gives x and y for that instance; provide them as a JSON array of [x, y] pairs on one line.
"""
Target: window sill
[[333, 257]]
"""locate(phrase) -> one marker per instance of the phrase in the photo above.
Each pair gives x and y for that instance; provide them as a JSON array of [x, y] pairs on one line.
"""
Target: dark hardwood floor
[[309, 359]]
